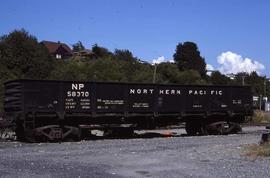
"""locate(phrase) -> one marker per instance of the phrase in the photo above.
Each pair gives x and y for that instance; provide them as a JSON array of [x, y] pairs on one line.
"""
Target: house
[[57, 49], [86, 53]]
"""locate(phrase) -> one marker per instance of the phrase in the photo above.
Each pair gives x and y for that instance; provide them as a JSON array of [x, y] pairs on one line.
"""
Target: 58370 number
[[77, 93]]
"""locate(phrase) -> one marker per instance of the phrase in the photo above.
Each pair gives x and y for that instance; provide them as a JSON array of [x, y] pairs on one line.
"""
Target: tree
[[257, 83], [69, 70], [167, 73], [125, 55], [106, 69], [240, 78], [78, 47], [190, 77], [143, 73], [187, 57], [217, 78], [21, 53], [100, 52], [21, 56]]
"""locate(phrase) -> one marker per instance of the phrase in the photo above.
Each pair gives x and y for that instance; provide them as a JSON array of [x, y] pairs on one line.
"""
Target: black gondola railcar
[[61, 109]]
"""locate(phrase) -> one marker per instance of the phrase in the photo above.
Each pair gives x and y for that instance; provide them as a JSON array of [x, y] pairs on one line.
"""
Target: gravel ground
[[181, 156]]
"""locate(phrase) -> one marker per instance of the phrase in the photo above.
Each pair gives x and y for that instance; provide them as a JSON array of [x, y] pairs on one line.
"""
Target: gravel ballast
[[196, 156]]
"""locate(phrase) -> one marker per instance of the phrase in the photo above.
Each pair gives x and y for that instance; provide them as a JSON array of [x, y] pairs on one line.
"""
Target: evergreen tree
[[187, 57], [78, 47]]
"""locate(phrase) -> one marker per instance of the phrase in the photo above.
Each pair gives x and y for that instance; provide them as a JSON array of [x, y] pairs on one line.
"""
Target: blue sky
[[231, 34]]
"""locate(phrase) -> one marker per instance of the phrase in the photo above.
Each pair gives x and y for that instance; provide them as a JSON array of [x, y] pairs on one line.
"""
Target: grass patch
[[260, 117], [256, 150]]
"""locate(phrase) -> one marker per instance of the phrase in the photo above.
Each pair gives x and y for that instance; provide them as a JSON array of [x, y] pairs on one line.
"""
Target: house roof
[[53, 46], [87, 51]]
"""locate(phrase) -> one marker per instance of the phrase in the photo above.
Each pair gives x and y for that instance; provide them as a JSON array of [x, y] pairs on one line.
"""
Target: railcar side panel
[[196, 98], [102, 98], [170, 99], [87, 97], [41, 96], [218, 99], [241, 99], [76, 97], [110, 98], [141, 98]]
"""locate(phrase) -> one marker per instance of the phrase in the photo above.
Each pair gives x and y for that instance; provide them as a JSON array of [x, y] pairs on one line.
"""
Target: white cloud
[[160, 60], [233, 63], [209, 69]]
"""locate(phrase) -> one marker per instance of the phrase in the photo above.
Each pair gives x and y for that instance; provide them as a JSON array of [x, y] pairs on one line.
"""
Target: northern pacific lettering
[[195, 92]]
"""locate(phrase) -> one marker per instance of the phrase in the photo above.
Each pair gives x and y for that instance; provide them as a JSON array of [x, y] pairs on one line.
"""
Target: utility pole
[[264, 89], [155, 73], [260, 102]]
